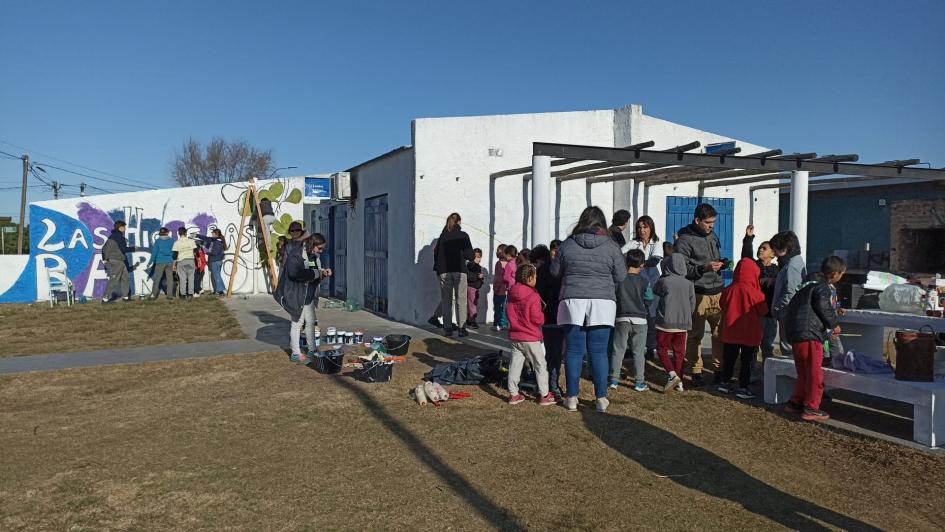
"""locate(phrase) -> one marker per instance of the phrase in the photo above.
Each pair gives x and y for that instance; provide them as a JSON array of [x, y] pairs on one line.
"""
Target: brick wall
[[906, 217]]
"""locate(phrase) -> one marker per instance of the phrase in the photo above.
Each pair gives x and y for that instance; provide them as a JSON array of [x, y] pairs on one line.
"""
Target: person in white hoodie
[[793, 271]]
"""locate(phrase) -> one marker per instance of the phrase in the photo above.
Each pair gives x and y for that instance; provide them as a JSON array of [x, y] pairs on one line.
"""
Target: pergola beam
[[780, 164]]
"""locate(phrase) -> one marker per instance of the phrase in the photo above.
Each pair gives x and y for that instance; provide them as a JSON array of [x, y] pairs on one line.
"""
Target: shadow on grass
[[499, 517], [693, 467]]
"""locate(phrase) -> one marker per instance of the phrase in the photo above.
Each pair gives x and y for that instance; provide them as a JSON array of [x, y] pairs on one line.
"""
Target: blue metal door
[[375, 254], [321, 223], [339, 255], [680, 211]]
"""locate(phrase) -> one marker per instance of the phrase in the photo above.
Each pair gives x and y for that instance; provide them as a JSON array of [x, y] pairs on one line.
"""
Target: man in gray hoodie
[[700, 247]]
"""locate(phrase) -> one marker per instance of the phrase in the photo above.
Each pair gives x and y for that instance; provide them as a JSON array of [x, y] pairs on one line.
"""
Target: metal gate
[[680, 211], [339, 251], [321, 223], [375, 254]]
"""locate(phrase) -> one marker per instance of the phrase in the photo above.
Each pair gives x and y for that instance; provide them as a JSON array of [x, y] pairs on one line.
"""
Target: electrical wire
[[10, 155], [47, 165], [37, 176], [73, 164]]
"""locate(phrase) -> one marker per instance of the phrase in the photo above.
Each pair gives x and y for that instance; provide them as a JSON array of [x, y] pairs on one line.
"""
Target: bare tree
[[219, 162]]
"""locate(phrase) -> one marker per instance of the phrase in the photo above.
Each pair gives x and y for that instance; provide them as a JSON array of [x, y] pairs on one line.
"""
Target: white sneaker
[[602, 404], [671, 383], [571, 403], [197, 294], [679, 387]]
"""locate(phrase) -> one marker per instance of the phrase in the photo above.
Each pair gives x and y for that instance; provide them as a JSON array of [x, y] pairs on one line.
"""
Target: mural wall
[[70, 233]]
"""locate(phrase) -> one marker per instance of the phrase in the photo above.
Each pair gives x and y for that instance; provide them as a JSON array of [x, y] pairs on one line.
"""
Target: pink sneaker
[[547, 400], [516, 399]]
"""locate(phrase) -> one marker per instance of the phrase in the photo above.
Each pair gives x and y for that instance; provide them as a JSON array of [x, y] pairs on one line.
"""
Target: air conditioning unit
[[342, 185]]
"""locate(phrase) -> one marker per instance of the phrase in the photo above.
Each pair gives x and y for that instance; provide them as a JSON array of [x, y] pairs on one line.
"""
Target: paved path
[[264, 323]]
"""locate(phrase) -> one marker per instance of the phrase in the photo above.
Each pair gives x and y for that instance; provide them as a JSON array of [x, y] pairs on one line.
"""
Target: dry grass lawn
[[254, 442], [40, 329]]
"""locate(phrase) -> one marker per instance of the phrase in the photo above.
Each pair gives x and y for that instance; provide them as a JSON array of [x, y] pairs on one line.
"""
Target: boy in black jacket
[[812, 319], [633, 299]]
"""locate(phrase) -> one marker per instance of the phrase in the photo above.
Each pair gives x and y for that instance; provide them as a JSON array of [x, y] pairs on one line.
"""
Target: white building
[[382, 238], [382, 232]]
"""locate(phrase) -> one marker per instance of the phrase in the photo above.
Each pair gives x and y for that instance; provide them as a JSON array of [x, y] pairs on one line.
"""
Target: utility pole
[[19, 233], [81, 190], [55, 189]]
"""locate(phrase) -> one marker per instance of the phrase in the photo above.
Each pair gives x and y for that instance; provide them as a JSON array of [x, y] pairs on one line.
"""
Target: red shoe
[[516, 399], [793, 408], [547, 400], [814, 415]]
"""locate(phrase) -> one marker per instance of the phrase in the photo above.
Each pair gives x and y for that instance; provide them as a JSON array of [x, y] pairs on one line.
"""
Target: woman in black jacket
[[298, 289], [453, 249]]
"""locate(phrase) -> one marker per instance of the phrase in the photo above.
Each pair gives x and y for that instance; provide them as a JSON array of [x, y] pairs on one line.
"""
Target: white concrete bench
[[927, 398]]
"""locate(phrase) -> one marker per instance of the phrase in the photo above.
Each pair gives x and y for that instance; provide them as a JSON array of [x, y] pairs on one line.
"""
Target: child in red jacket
[[743, 306], [525, 320]]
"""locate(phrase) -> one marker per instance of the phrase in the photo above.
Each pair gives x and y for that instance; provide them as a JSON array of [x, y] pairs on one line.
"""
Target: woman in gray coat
[[793, 272], [590, 266]]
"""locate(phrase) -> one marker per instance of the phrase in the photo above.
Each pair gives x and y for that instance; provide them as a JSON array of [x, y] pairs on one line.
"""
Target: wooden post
[[265, 231], [19, 231], [239, 242]]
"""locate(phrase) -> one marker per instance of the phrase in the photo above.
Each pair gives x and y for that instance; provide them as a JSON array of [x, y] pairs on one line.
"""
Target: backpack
[[475, 370]]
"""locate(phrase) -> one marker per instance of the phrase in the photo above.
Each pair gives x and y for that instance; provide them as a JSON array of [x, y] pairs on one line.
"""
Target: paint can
[[358, 337], [349, 338], [330, 337]]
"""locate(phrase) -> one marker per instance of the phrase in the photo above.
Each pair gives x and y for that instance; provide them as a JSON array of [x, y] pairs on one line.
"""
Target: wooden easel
[[251, 193]]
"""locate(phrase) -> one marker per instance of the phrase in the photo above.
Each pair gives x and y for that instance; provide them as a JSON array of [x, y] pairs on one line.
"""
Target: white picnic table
[[864, 331]]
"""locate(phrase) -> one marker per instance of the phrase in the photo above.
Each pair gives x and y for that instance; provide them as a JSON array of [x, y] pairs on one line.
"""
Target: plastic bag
[[902, 298]]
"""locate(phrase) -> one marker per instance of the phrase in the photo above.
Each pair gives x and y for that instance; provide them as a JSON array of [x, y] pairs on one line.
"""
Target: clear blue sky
[[117, 86]]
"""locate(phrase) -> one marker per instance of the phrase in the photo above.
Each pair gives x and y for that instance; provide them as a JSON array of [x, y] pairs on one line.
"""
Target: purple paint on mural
[[203, 222], [92, 217], [173, 226]]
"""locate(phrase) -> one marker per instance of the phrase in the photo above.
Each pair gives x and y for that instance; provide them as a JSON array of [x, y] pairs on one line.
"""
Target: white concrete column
[[541, 200], [799, 181]]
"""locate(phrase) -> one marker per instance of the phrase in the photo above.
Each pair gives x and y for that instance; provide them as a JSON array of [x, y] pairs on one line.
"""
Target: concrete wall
[[453, 167], [667, 135], [71, 232], [448, 170], [392, 175]]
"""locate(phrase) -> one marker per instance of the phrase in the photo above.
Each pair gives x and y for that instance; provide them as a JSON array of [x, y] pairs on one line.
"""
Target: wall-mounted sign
[[317, 188]]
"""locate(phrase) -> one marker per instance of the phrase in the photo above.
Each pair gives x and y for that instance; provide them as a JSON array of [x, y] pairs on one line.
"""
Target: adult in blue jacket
[[163, 261], [216, 247]]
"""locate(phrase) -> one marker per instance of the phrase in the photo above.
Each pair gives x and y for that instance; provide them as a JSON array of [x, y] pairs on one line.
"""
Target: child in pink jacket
[[526, 317], [508, 273]]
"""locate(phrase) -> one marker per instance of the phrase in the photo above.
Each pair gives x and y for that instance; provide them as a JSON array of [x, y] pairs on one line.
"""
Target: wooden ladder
[[251, 195]]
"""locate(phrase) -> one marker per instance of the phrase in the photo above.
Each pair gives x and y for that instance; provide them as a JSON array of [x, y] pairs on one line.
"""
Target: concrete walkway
[[264, 323]]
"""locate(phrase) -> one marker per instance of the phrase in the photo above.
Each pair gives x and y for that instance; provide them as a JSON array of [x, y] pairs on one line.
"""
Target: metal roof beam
[[732, 162]]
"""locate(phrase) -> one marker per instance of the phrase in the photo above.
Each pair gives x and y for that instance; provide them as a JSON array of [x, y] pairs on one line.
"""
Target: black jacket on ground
[[810, 314], [618, 236], [474, 270], [769, 273], [549, 289], [700, 249], [453, 249]]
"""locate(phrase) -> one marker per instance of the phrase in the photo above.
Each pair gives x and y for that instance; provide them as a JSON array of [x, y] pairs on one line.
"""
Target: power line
[[73, 164], [37, 176], [10, 155], [47, 165]]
